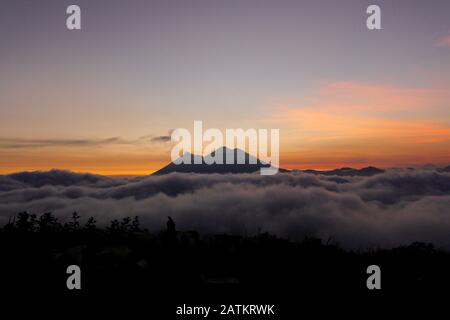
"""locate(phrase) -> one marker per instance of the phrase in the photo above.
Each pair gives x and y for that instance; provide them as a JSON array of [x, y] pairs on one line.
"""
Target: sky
[[105, 98]]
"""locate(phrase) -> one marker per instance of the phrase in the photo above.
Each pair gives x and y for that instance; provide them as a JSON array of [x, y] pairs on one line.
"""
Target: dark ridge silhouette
[[224, 168], [55, 177], [125, 265], [366, 172]]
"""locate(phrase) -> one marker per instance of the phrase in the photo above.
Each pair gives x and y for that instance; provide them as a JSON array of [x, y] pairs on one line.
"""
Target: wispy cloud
[[381, 124], [360, 96], [18, 143], [23, 143], [444, 42], [161, 139]]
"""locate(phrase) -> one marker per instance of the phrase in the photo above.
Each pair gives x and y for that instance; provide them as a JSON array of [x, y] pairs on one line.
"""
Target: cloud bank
[[389, 209]]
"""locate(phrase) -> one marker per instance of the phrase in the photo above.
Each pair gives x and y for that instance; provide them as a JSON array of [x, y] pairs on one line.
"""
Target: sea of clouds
[[389, 209]]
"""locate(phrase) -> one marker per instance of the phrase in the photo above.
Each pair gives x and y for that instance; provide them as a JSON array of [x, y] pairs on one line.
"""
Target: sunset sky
[[105, 98]]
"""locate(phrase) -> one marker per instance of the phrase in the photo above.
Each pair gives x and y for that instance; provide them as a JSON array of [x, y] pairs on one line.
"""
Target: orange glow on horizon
[[345, 124]]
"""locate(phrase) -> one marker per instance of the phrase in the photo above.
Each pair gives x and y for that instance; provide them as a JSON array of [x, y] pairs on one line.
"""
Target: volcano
[[251, 165]]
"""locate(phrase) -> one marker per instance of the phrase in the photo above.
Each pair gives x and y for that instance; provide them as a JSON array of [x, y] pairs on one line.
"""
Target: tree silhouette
[[74, 223], [26, 222], [91, 224], [125, 224], [135, 225], [114, 226], [48, 223]]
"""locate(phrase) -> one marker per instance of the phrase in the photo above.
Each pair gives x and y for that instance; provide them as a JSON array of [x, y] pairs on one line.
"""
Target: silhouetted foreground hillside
[[124, 262]]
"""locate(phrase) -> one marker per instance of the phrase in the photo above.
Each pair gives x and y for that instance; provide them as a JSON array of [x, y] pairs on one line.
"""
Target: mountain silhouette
[[366, 172], [252, 164]]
